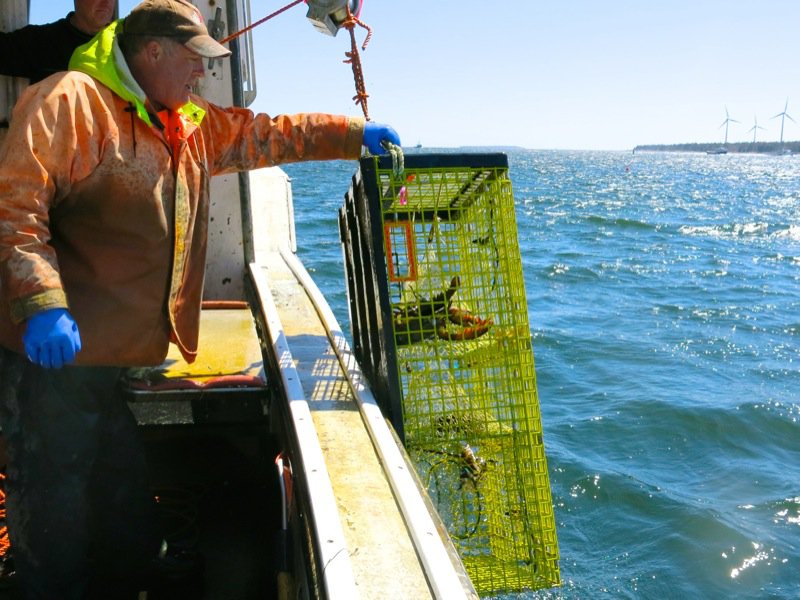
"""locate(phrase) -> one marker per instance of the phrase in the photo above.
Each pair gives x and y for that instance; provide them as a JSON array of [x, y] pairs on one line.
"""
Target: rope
[[398, 159], [354, 59], [5, 544], [236, 34]]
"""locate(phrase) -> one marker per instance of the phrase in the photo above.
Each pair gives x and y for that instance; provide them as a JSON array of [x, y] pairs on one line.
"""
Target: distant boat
[[720, 150], [418, 145]]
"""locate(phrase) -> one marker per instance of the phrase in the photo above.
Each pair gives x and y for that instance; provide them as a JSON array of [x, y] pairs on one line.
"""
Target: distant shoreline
[[733, 148]]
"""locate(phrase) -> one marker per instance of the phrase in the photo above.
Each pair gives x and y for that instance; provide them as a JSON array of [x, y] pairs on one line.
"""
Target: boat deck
[[377, 537]]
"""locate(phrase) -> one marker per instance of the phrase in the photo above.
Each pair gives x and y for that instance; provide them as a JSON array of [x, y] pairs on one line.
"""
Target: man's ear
[[154, 50]]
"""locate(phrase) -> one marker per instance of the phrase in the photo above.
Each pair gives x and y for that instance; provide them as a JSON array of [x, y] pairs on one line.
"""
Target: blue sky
[[579, 74]]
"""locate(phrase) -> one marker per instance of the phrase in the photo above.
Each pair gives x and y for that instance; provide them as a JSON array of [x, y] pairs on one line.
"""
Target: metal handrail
[[331, 544], [445, 581]]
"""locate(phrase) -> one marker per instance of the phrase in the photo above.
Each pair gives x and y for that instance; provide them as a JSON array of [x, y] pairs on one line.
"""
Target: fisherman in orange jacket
[[104, 195]]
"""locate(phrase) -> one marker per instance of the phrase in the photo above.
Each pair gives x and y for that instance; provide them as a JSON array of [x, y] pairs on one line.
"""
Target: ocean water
[[664, 298]]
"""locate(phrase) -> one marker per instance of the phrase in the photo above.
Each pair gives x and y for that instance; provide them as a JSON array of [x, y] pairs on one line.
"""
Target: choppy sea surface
[[664, 297]]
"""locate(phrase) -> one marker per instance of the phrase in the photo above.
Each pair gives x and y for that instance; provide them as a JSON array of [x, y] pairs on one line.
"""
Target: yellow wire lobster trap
[[440, 326]]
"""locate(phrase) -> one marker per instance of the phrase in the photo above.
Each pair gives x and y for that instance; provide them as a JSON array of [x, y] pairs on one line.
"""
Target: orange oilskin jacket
[[104, 214]]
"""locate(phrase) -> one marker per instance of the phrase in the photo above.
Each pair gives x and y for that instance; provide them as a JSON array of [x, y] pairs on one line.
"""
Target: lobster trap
[[440, 327]]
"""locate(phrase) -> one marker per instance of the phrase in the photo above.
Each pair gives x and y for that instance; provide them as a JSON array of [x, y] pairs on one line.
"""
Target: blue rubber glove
[[375, 133], [51, 338]]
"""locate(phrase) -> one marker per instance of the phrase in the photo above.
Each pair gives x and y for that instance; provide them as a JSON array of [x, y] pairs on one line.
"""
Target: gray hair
[[131, 45]]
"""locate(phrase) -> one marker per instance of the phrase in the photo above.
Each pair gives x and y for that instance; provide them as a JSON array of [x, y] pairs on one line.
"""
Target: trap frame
[[440, 326]]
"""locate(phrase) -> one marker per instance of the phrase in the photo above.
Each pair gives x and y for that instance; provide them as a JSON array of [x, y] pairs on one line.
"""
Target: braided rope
[[354, 59], [398, 158]]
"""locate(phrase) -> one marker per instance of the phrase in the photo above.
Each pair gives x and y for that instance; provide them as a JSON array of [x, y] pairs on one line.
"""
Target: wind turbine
[[755, 128], [725, 123], [783, 115]]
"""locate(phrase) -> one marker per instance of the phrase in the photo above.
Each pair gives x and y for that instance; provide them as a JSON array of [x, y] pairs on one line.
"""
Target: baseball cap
[[175, 19]]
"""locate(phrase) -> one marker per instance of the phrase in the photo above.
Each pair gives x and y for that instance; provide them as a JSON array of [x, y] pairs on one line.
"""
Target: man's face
[[176, 72], [92, 15]]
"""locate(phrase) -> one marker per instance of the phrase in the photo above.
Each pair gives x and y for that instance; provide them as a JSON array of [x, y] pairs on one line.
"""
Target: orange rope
[[354, 59], [5, 544], [236, 34]]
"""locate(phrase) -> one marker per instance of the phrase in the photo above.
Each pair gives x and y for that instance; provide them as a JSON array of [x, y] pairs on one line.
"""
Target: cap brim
[[206, 46]]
